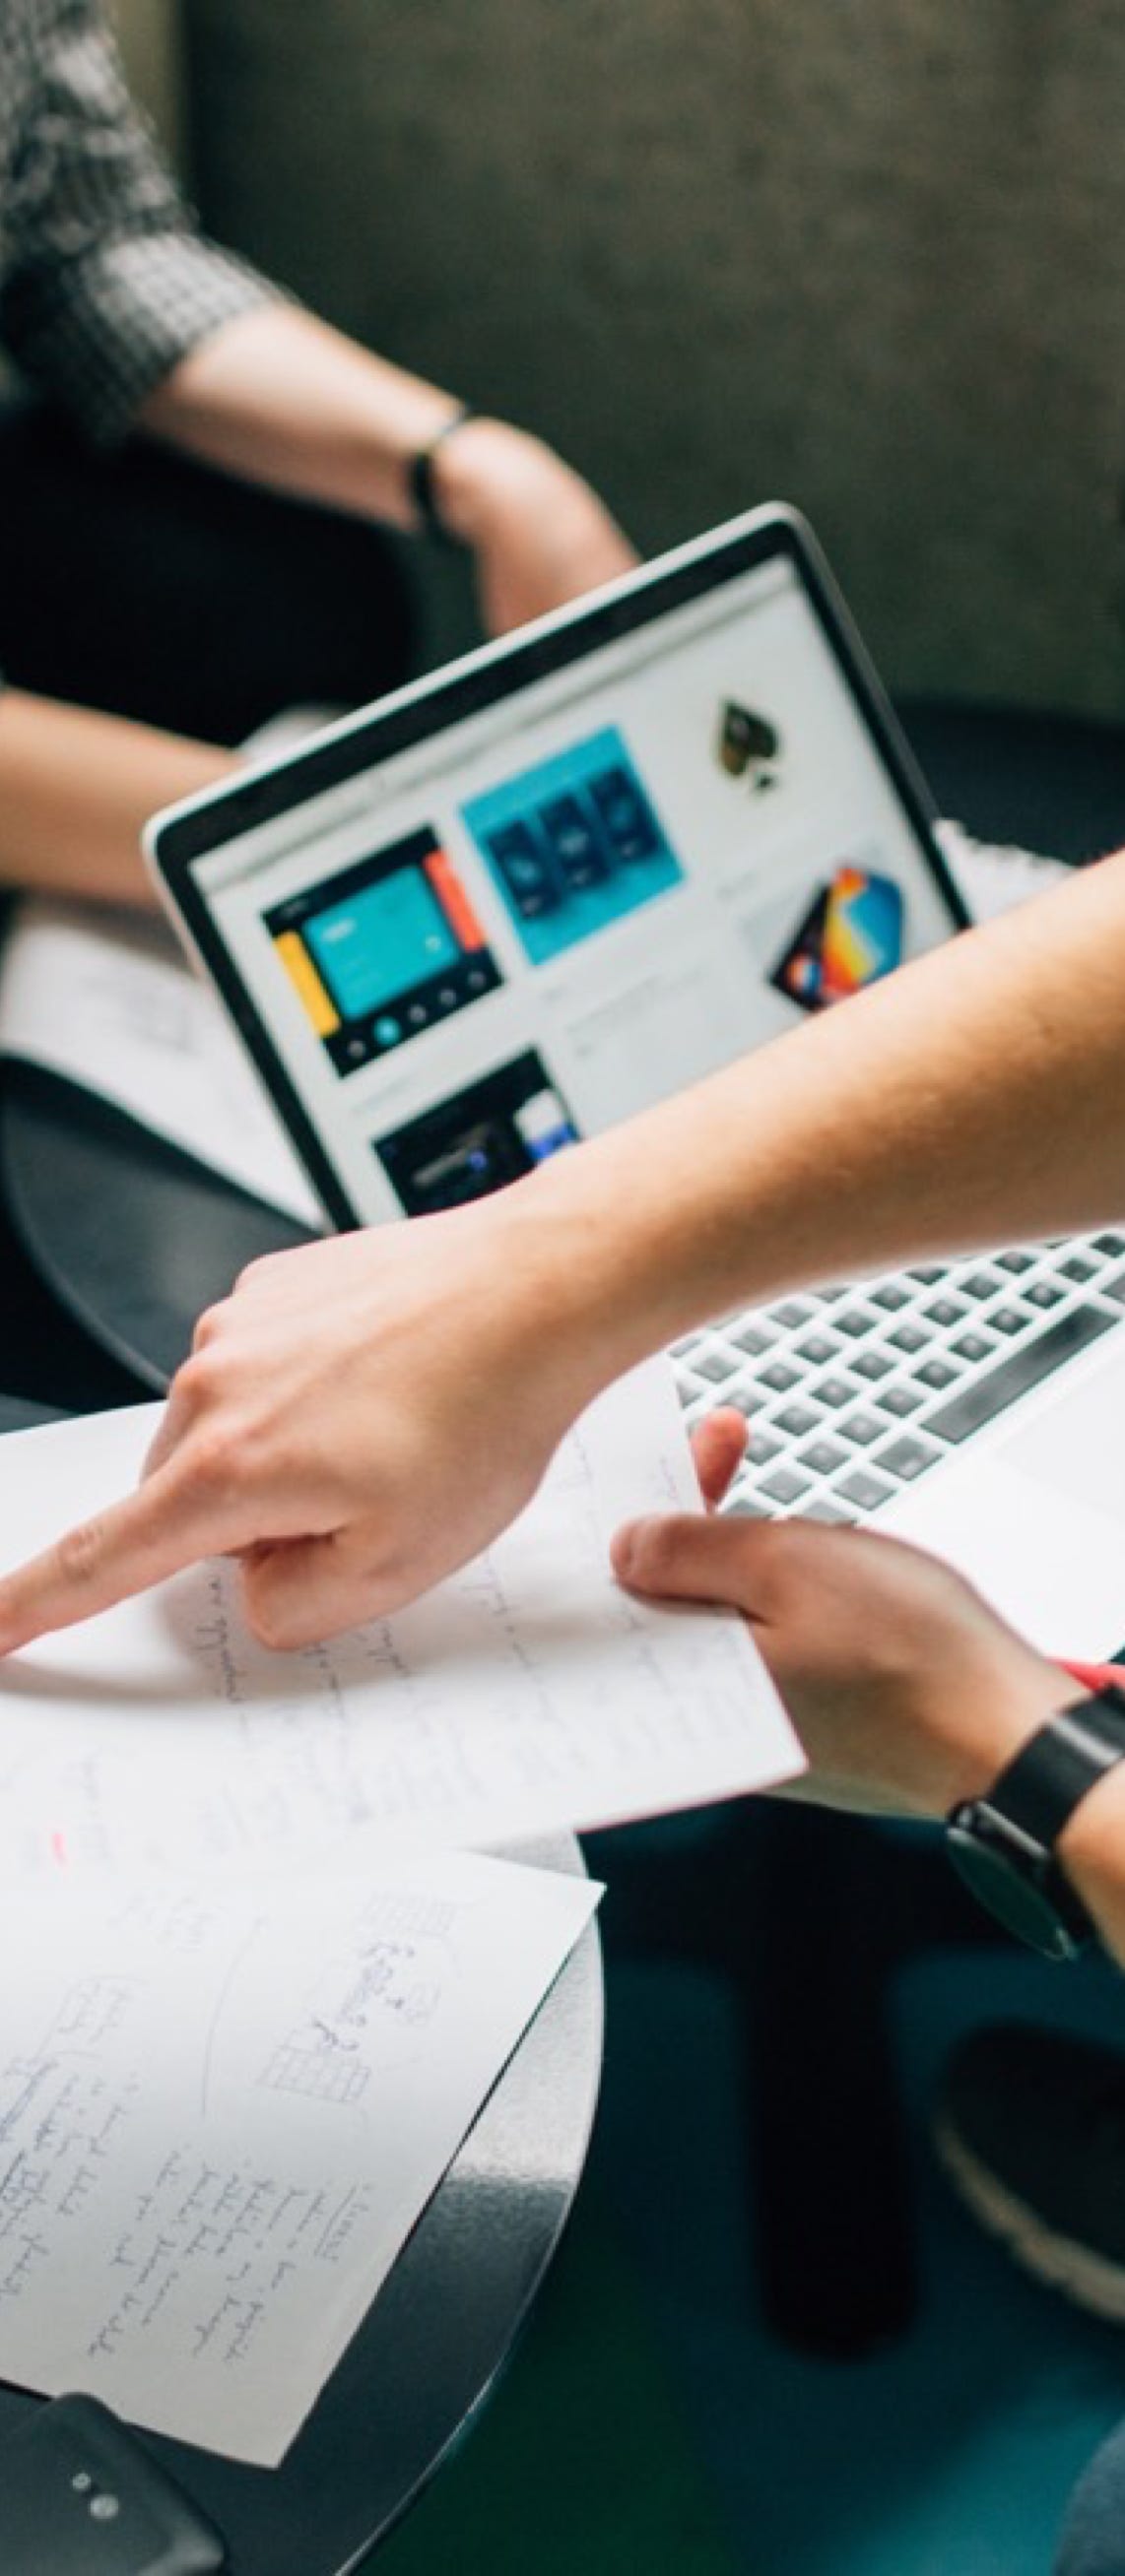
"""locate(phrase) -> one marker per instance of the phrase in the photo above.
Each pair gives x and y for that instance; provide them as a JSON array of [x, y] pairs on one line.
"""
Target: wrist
[[1091, 1851], [482, 468], [1011, 1702]]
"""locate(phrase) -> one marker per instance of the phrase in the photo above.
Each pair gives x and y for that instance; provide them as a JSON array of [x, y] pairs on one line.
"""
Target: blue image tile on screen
[[573, 844], [384, 939]]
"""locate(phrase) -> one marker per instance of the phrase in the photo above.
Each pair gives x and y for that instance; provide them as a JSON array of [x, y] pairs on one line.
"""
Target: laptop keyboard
[[854, 1393]]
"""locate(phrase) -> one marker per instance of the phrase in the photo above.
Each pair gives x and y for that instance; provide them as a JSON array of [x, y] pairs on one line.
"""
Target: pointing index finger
[[166, 1524]]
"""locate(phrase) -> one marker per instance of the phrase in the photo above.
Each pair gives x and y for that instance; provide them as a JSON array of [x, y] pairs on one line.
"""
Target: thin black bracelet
[[421, 480]]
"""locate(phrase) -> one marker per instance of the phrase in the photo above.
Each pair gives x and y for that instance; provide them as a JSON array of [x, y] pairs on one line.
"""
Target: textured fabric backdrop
[[867, 254]]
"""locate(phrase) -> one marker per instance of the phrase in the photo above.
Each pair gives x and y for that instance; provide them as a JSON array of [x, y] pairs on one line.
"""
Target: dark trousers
[[148, 586]]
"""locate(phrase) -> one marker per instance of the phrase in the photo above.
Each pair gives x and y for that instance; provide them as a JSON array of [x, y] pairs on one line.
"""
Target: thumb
[[686, 1557]]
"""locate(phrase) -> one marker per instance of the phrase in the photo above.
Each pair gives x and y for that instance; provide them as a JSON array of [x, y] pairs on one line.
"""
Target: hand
[[908, 1693], [539, 534], [356, 1420]]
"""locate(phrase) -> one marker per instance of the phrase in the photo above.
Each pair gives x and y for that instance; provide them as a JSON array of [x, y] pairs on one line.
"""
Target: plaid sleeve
[[108, 281]]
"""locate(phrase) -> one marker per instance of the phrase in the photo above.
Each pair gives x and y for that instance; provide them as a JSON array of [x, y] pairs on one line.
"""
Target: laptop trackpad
[[1076, 1445]]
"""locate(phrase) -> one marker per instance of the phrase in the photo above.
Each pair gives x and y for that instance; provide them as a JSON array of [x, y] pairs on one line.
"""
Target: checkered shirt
[[105, 280]]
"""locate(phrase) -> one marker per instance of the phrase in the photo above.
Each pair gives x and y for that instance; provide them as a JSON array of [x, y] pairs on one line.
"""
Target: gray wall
[[867, 254]]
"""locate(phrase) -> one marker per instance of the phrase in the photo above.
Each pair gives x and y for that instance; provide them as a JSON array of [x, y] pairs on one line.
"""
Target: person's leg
[[1092, 2542], [151, 587]]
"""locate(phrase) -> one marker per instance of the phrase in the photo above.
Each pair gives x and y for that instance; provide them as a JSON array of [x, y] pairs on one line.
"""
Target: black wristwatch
[[1004, 1843], [420, 476]]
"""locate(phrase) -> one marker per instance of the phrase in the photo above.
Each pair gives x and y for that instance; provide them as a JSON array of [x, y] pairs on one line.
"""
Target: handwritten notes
[[108, 999], [525, 1694], [261, 1992], [222, 2111]]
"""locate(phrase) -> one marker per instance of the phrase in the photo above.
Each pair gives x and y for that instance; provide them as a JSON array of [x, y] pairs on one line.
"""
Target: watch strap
[[1041, 1787], [1003, 1843], [420, 477]]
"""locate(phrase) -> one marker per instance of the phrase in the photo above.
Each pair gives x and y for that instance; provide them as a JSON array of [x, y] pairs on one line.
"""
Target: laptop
[[545, 887]]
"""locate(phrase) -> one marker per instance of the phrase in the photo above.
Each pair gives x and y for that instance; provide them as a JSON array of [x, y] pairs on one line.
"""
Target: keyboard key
[[900, 1400], [890, 1296], [745, 1399], [862, 1428], [983, 1283], [975, 1346], [945, 1310], [779, 1377], [865, 1489], [1016, 1262], [929, 1278], [1111, 1244], [910, 1337], [715, 1365], [745, 1507], [938, 1374], [989, 1395], [753, 1339], [784, 1485], [822, 1457], [1115, 1288], [817, 1349], [835, 1391], [855, 1321], [872, 1365], [1043, 1293], [762, 1449], [823, 1510], [1009, 1319], [793, 1312], [796, 1420], [1078, 1269], [908, 1457]]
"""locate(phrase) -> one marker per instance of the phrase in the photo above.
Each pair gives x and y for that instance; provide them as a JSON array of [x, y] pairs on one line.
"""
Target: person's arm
[[908, 1693], [76, 788], [114, 301], [278, 397], [363, 1415]]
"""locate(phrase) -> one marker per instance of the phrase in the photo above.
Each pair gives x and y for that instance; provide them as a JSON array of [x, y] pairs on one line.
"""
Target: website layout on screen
[[577, 901]]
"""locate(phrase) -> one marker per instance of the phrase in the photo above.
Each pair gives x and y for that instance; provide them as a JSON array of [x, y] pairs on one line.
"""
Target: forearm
[[281, 398], [972, 1098], [77, 787]]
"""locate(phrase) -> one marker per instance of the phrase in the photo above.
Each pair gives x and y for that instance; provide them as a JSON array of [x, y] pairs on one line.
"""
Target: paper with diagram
[[223, 2107]]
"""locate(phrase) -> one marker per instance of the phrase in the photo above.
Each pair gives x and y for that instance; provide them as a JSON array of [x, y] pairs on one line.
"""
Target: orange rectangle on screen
[[311, 993], [453, 900]]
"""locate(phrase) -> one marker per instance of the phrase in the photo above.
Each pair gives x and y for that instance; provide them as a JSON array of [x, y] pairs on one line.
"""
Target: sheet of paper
[[222, 2109], [525, 1694], [109, 1000], [992, 877]]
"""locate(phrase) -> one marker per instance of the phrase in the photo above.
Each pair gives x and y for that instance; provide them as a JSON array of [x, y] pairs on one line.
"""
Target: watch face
[[999, 1882]]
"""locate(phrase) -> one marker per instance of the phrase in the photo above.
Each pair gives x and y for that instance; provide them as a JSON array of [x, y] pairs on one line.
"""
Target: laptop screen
[[566, 879]]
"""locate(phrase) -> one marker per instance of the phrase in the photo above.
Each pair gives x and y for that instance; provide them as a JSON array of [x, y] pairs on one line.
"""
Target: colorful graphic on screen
[[383, 950], [747, 745], [849, 936], [496, 1129], [572, 844]]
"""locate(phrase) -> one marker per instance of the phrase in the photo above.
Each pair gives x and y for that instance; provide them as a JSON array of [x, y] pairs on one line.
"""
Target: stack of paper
[[264, 1992]]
